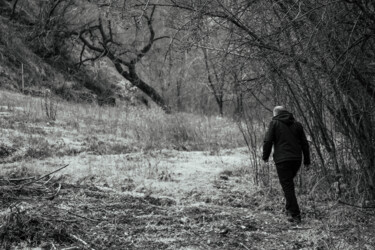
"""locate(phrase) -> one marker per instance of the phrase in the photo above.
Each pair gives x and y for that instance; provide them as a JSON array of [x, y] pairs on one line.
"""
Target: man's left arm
[[268, 142]]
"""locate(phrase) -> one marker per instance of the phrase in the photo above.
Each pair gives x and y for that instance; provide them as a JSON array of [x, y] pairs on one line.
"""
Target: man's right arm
[[305, 148]]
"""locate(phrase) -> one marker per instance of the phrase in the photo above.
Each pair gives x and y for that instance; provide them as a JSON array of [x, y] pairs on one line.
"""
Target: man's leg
[[286, 172]]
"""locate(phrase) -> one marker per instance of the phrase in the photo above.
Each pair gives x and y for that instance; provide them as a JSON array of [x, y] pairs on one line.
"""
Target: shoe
[[288, 213], [295, 219]]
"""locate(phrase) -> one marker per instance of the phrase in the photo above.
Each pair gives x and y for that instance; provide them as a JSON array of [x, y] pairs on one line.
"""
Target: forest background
[[233, 59]]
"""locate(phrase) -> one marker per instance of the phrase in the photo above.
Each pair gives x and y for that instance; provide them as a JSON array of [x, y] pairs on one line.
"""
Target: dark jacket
[[288, 138]]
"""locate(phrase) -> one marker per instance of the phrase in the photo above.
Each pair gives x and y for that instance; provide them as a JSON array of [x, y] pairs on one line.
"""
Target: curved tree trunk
[[127, 68], [132, 76]]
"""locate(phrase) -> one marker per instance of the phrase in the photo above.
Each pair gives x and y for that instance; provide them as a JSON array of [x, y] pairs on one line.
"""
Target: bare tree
[[100, 40]]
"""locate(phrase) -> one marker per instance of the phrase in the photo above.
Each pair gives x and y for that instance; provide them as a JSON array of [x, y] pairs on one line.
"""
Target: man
[[289, 141]]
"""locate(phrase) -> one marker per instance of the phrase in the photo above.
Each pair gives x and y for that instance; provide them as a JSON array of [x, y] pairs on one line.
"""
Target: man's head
[[278, 109]]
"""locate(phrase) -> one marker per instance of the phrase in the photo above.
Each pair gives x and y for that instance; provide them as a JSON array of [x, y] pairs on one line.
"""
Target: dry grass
[[108, 130], [136, 174], [110, 145]]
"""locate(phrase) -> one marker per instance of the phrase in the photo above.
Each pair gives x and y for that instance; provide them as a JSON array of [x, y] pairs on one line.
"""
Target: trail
[[207, 201]]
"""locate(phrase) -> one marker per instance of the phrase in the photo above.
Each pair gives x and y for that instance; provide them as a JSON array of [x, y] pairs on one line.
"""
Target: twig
[[45, 183], [300, 228], [53, 246], [82, 241], [45, 175], [70, 248], [55, 194], [21, 179], [21, 198], [244, 246], [352, 205], [62, 220], [58, 190]]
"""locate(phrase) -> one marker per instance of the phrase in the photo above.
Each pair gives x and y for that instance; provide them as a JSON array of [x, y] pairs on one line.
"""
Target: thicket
[[314, 57]]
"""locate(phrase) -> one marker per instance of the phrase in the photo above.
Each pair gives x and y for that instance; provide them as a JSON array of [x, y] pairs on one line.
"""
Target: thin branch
[[159, 38], [83, 217], [81, 241], [356, 206], [16, 180], [81, 54], [102, 32], [88, 44], [244, 246], [45, 175], [148, 46], [219, 50]]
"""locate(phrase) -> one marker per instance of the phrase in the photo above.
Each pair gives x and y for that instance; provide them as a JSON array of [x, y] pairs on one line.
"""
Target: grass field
[[136, 178]]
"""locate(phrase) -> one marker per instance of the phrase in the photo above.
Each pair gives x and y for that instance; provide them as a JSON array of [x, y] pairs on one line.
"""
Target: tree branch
[[148, 46]]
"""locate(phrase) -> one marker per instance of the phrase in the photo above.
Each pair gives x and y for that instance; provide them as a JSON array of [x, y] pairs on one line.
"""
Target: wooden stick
[[70, 248], [244, 246], [44, 176], [82, 241], [53, 246], [300, 228], [58, 190], [356, 206], [22, 179], [45, 183]]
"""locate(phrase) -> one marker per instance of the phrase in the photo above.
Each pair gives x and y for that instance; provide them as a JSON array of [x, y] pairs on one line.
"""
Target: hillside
[[25, 67]]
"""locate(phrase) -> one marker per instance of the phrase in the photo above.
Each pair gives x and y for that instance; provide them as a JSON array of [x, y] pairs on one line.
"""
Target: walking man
[[289, 143]]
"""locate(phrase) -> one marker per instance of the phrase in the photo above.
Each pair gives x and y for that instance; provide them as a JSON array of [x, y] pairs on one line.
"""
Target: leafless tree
[[99, 39], [317, 57]]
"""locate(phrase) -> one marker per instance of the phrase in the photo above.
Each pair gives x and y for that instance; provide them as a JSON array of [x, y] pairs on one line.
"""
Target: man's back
[[288, 138]]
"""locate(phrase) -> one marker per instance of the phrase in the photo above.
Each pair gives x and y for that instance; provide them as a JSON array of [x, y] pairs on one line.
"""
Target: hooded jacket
[[288, 139]]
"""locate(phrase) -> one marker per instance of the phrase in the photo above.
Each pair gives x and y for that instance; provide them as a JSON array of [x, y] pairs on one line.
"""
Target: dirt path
[[172, 200]]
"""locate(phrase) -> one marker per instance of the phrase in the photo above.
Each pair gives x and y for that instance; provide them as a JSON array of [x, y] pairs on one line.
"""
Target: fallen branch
[[352, 205], [55, 194], [44, 176], [45, 183], [58, 189], [300, 228], [20, 179], [244, 246], [62, 220]]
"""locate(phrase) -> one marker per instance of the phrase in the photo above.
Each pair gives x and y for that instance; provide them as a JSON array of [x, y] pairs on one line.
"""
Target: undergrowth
[[125, 150], [116, 130]]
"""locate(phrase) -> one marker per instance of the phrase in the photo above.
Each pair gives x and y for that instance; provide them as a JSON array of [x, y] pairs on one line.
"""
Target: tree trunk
[[132, 76], [178, 93]]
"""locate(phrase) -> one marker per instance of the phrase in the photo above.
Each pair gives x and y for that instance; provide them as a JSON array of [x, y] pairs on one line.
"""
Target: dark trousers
[[287, 171]]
